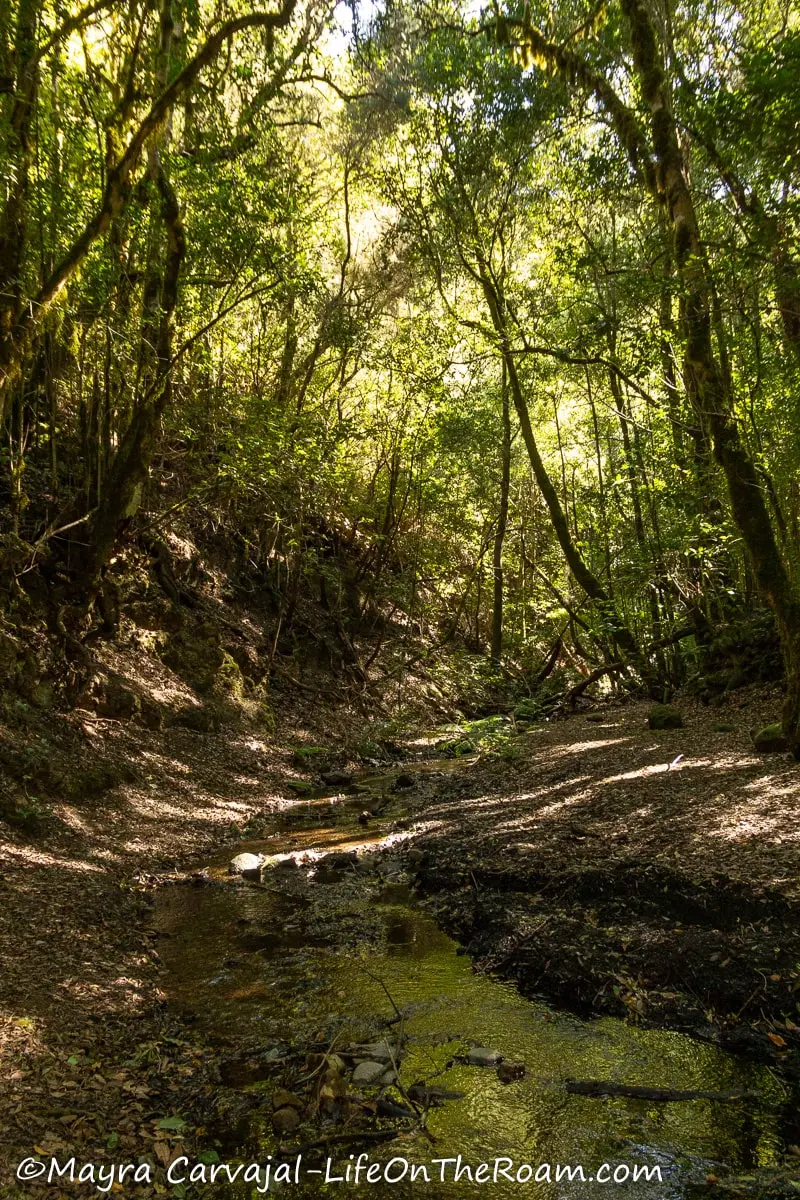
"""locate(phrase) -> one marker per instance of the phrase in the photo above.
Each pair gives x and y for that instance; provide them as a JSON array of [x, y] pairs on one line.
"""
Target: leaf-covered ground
[[650, 874], [653, 875], [91, 1061]]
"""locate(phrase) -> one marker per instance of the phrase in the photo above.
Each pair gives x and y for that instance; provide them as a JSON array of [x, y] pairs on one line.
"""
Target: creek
[[317, 956]]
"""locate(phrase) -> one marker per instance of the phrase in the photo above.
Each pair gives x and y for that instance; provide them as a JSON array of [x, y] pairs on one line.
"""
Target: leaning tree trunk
[[707, 384], [502, 523]]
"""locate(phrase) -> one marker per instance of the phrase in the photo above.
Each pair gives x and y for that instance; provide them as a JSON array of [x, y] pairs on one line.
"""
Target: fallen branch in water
[[601, 1088], [338, 1139]]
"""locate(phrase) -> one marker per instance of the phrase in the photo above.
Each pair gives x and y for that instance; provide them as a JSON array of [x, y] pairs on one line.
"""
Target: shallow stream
[[313, 955]]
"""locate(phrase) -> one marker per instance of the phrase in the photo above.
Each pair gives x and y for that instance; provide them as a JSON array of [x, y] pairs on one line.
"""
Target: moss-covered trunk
[[502, 523], [707, 384], [124, 485]]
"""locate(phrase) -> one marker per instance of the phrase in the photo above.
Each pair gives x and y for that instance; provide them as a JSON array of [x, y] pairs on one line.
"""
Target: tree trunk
[[583, 574], [707, 386], [122, 493], [502, 523]]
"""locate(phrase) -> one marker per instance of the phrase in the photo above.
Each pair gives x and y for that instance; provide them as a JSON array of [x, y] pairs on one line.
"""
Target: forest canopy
[[477, 327]]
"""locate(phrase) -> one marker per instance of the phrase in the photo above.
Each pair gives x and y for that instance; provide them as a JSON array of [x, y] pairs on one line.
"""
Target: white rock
[[379, 1051], [245, 864], [368, 1072], [480, 1056]]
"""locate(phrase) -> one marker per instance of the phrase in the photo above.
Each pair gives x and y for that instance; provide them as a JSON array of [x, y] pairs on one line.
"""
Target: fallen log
[[574, 694], [600, 1088]]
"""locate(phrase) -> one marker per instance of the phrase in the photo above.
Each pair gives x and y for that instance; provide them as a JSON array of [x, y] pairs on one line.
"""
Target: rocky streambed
[[347, 1021]]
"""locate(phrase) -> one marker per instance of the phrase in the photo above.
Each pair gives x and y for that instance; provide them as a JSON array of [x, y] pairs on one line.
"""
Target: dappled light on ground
[[688, 802]]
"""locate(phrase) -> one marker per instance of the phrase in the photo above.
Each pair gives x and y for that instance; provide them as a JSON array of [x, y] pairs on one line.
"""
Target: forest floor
[[612, 868], [601, 865], [91, 1061]]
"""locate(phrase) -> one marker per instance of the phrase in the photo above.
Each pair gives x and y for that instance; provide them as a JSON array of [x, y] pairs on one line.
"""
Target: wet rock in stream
[[508, 1072], [368, 1072], [336, 778], [248, 865], [481, 1056], [383, 1052]]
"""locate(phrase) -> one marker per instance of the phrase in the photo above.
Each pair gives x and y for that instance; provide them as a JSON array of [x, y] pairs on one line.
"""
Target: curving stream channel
[[317, 956]]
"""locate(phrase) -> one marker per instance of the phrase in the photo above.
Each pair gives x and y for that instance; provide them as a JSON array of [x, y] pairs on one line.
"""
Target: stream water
[[316, 955]]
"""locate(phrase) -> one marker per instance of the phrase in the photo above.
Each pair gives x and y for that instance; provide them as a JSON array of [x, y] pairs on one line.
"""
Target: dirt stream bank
[[602, 866]]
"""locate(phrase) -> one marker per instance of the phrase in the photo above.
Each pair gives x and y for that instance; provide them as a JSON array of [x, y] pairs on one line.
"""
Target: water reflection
[[290, 959]]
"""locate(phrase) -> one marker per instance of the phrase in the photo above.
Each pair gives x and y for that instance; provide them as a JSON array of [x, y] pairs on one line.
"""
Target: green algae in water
[[327, 955]]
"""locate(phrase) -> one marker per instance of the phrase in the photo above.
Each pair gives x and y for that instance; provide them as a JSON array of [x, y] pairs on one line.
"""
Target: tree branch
[[115, 195]]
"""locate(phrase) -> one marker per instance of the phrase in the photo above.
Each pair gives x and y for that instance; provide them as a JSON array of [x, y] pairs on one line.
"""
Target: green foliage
[[528, 711], [331, 370]]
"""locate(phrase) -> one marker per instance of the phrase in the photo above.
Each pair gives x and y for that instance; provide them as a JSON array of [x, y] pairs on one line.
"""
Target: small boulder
[[312, 758], [300, 787], [403, 781], [248, 865], [664, 716], [336, 778], [507, 1072], [368, 1072], [285, 1120], [481, 1056], [338, 861], [281, 1098], [770, 740], [383, 1052]]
